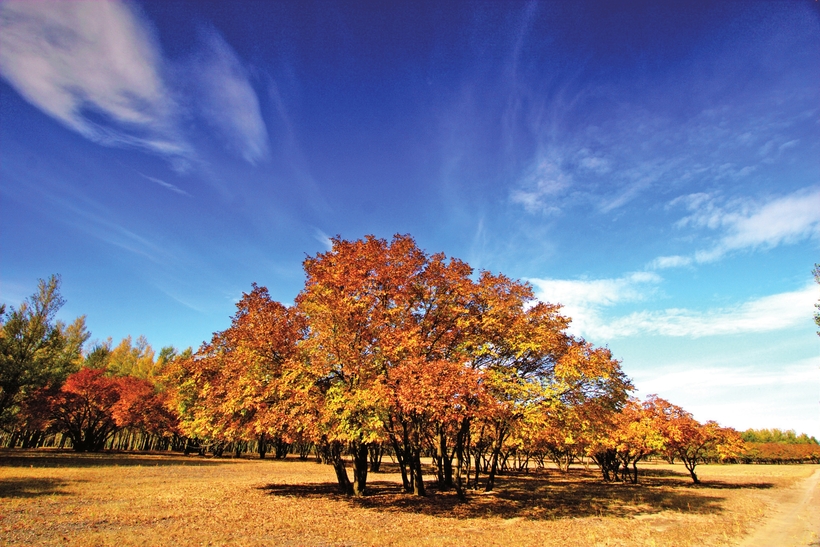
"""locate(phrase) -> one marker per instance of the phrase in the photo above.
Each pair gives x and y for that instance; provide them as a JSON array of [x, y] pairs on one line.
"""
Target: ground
[[795, 518], [59, 498]]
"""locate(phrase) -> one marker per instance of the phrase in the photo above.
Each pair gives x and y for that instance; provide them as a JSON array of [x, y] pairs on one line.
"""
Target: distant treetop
[[776, 436]]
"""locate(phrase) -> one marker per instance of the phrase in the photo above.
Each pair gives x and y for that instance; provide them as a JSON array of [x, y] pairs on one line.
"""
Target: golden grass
[[58, 498]]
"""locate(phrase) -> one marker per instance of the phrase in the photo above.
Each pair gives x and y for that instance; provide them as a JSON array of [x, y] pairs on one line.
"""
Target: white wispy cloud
[[634, 145], [538, 189], [769, 313], [228, 101], [674, 261], [583, 300], [98, 68], [687, 376], [167, 185], [745, 224], [586, 302], [95, 67], [596, 164], [771, 394], [323, 238], [100, 225], [783, 220]]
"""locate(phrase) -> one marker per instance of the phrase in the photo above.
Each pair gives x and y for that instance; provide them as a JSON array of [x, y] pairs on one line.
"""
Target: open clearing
[[58, 498]]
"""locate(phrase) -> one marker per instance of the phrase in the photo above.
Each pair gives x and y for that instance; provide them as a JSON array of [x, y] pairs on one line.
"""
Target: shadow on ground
[[31, 487], [649, 475], [537, 496], [68, 458]]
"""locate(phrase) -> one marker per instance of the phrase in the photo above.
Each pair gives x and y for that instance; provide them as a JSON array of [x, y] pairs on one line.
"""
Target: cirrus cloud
[[228, 101], [95, 67], [765, 314], [747, 224], [586, 302], [98, 69]]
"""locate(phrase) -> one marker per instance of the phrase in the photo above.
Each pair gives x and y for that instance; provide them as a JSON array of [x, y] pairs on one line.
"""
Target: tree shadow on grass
[[37, 458], [661, 472], [535, 496], [721, 485], [32, 487], [682, 478]]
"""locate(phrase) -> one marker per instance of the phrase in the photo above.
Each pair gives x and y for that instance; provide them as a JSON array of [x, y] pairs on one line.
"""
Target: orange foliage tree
[[409, 349], [236, 387], [689, 440], [387, 345], [386, 323]]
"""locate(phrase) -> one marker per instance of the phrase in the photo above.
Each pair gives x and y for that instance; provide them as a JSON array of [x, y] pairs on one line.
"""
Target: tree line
[[387, 349]]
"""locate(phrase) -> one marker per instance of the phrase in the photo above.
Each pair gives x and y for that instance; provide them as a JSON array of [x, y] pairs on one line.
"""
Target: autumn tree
[[504, 350], [131, 358], [81, 408], [693, 442], [563, 433], [143, 408], [430, 386], [780, 452], [239, 385], [529, 363], [638, 433], [407, 347], [92, 405], [352, 300], [36, 349], [389, 345], [388, 328]]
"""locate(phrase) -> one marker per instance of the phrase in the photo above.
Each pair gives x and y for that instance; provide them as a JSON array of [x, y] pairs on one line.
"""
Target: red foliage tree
[[82, 408], [92, 405], [142, 408]]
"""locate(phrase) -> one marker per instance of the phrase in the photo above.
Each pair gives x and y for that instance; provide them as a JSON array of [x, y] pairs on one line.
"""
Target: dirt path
[[797, 521]]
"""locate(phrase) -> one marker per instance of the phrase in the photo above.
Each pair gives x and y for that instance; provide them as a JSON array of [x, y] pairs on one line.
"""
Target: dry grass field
[[60, 498]]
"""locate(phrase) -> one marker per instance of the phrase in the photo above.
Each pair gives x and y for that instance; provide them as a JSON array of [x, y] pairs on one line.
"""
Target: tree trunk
[[438, 457], [375, 452], [13, 440], [493, 469], [463, 431], [477, 456], [397, 450], [345, 485], [497, 444], [323, 452], [445, 463], [219, 449], [690, 464], [281, 448], [262, 446], [401, 448], [360, 467], [418, 481]]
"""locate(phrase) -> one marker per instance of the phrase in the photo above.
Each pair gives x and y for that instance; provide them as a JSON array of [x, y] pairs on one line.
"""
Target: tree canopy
[[386, 347], [36, 349]]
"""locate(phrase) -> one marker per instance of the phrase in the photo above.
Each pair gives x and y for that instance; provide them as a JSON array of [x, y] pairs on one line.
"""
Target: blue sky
[[653, 167]]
